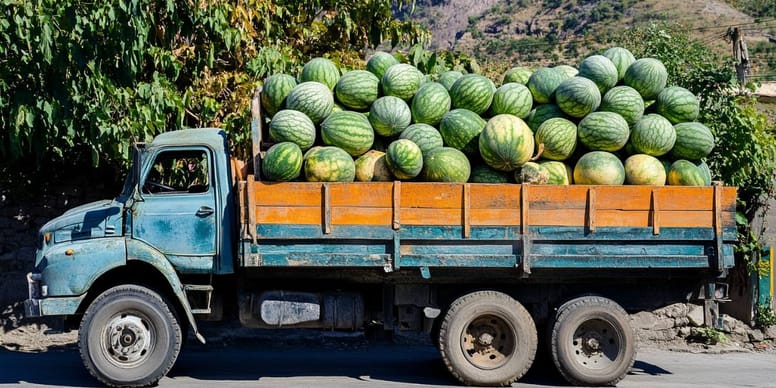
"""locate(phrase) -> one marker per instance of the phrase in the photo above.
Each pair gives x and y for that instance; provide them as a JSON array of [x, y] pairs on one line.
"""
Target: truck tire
[[592, 342], [129, 337], [487, 339]]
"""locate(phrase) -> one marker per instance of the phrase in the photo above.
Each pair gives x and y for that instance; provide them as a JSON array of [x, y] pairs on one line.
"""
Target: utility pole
[[740, 54]]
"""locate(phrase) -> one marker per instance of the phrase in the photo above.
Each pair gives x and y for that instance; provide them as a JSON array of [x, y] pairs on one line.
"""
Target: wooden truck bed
[[532, 227]]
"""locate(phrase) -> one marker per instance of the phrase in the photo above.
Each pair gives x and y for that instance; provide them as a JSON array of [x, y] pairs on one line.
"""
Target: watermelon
[[401, 80], [389, 115], [512, 98], [348, 130], [518, 75], [460, 129], [430, 103], [404, 159], [685, 173], [705, 171], [532, 173], [648, 76], [600, 70], [625, 101], [543, 83], [357, 89], [294, 126], [566, 71], [603, 131], [371, 166], [282, 162], [506, 142], [379, 62], [643, 169], [473, 92], [311, 98], [559, 173], [677, 104], [274, 92], [599, 168], [557, 137], [543, 113], [424, 135], [653, 135], [621, 58], [482, 173], [446, 164], [694, 141], [329, 164], [321, 70], [577, 96], [448, 78]]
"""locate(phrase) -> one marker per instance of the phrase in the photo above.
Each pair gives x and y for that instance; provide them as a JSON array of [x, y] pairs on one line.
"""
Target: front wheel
[[129, 337], [592, 341], [487, 338]]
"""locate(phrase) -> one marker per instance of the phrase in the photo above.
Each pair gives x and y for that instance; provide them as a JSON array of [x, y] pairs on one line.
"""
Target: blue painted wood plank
[[470, 261], [304, 232], [322, 260], [610, 248], [475, 247], [621, 262], [292, 247]]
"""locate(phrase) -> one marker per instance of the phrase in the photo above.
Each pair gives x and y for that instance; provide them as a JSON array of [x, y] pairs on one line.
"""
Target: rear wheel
[[592, 342], [487, 338], [129, 337]]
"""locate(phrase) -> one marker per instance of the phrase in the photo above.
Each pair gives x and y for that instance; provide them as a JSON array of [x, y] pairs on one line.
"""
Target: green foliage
[[80, 80], [764, 316], [708, 336]]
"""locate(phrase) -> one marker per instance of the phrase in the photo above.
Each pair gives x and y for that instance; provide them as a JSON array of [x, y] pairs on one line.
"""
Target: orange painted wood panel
[[495, 196], [373, 194], [361, 216], [287, 194], [432, 195], [289, 215]]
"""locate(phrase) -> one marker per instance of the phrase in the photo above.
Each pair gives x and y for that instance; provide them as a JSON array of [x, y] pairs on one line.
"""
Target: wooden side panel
[[449, 204]]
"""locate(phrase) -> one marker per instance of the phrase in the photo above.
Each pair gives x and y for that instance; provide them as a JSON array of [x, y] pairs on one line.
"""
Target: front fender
[[70, 269]]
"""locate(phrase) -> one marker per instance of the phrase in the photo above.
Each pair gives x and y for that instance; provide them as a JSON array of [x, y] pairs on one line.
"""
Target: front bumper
[[39, 304]]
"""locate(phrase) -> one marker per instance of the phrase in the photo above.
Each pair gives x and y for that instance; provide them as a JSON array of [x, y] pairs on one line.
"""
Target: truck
[[492, 272]]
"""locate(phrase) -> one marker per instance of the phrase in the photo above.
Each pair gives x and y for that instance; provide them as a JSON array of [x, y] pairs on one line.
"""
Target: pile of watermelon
[[611, 121]]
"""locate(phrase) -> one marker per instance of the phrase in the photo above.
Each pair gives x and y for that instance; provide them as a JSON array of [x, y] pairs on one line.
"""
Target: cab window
[[176, 172]]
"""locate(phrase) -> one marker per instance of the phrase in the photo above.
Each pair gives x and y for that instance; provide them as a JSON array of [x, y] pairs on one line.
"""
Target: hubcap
[[128, 340], [596, 344], [488, 342]]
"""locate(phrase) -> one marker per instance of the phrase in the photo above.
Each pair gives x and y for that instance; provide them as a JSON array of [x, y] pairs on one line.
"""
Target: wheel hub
[[488, 342], [129, 339], [596, 344]]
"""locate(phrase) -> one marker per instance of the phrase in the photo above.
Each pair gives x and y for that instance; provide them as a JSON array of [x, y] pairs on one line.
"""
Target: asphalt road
[[380, 365]]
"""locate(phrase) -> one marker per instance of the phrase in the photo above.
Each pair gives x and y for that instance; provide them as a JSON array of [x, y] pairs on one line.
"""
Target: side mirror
[[136, 170]]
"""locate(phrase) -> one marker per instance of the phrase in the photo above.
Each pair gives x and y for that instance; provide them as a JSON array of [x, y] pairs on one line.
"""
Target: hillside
[[536, 33]]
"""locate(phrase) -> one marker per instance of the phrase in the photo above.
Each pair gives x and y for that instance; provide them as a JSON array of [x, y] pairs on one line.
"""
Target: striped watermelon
[[621, 58], [518, 75], [653, 135], [543, 113], [348, 130], [625, 101], [648, 76], [694, 141], [430, 103], [685, 173], [404, 159], [577, 96], [379, 62], [460, 129], [329, 164], [294, 126], [282, 162], [600, 70], [603, 131], [448, 78], [371, 166], [560, 173], [389, 115], [311, 98], [357, 89], [274, 92], [512, 98], [321, 70], [677, 104], [532, 173], [543, 83], [482, 173], [401, 80], [446, 164], [567, 71], [424, 135], [643, 169], [506, 142], [558, 137], [599, 168], [473, 92], [705, 171]]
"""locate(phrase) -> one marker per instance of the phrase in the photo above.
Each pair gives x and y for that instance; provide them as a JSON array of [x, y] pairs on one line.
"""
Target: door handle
[[205, 211]]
